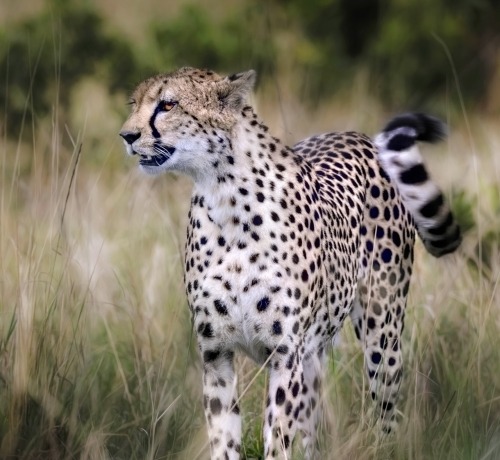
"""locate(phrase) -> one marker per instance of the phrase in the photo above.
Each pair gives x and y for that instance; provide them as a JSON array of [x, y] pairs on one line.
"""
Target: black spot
[[280, 396], [263, 303], [260, 197], [386, 255], [406, 288], [295, 389], [277, 329], [387, 406], [286, 441], [210, 356], [374, 212], [400, 142], [375, 191], [257, 220], [206, 330], [243, 191], [274, 216], [221, 241], [376, 357], [282, 349], [414, 175], [432, 207], [440, 229], [220, 307], [215, 406]]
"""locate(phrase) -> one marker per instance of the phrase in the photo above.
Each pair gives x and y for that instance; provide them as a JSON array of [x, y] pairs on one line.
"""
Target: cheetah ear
[[234, 89]]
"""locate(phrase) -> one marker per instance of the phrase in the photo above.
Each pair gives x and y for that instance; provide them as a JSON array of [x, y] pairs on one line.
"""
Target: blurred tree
[[234, 43], [411, 48], [45, 56], [337, 33], [423, 45], [413, 51]]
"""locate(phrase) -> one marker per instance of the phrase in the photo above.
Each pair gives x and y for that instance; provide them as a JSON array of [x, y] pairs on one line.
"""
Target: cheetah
[[283, 244]]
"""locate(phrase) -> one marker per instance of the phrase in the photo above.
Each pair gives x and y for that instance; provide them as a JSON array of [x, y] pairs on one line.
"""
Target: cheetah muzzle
[[283, 244], [162, 154]]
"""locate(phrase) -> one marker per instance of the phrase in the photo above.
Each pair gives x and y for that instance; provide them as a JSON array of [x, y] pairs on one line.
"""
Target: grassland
[[97, 356]]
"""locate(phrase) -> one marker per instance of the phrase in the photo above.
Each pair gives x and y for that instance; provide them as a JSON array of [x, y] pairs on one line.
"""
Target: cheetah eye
[[166, 106], [131, 102]]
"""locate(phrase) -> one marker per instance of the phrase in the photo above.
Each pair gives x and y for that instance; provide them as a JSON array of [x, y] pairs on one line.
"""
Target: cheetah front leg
[[282, 409], [285, 405], [221, 409], [311, 395]]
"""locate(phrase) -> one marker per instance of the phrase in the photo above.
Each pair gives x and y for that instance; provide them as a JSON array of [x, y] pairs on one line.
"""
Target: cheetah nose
[[129, 137]]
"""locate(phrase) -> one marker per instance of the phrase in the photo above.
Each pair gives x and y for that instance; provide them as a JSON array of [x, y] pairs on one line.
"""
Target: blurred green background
[[412, 53]]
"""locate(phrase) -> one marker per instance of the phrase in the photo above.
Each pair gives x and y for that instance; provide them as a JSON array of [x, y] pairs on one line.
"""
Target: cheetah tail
[[402, 161]]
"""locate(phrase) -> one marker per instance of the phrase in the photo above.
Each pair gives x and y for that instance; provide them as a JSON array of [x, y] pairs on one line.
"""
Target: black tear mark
[[152, 120]]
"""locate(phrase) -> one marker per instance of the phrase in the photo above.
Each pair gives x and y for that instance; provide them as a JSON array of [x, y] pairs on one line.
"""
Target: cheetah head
[[179, 120]]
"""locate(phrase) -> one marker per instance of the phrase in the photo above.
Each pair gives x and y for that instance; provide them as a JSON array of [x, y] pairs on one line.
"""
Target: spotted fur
[[284, 244], [401, 159]]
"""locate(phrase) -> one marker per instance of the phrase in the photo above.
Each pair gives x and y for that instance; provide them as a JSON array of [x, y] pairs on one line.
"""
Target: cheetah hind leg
[[378, 316]]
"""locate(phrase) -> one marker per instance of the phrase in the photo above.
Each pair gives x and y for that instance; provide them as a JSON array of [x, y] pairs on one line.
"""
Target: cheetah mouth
[[163, 153]]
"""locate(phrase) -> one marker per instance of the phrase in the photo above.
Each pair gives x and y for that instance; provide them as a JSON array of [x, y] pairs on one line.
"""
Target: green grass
[[97, 355]]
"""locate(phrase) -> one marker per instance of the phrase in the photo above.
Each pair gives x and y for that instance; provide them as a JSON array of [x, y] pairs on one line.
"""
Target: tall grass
[[97, 355]]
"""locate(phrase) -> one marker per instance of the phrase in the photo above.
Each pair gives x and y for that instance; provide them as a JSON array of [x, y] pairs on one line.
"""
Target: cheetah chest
[[239, 298]]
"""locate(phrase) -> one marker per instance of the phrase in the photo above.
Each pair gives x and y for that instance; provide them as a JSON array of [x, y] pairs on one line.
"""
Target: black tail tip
[[427, 127]]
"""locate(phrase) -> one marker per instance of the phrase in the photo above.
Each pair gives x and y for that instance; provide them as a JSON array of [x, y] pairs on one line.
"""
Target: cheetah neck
[[258, 170]]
